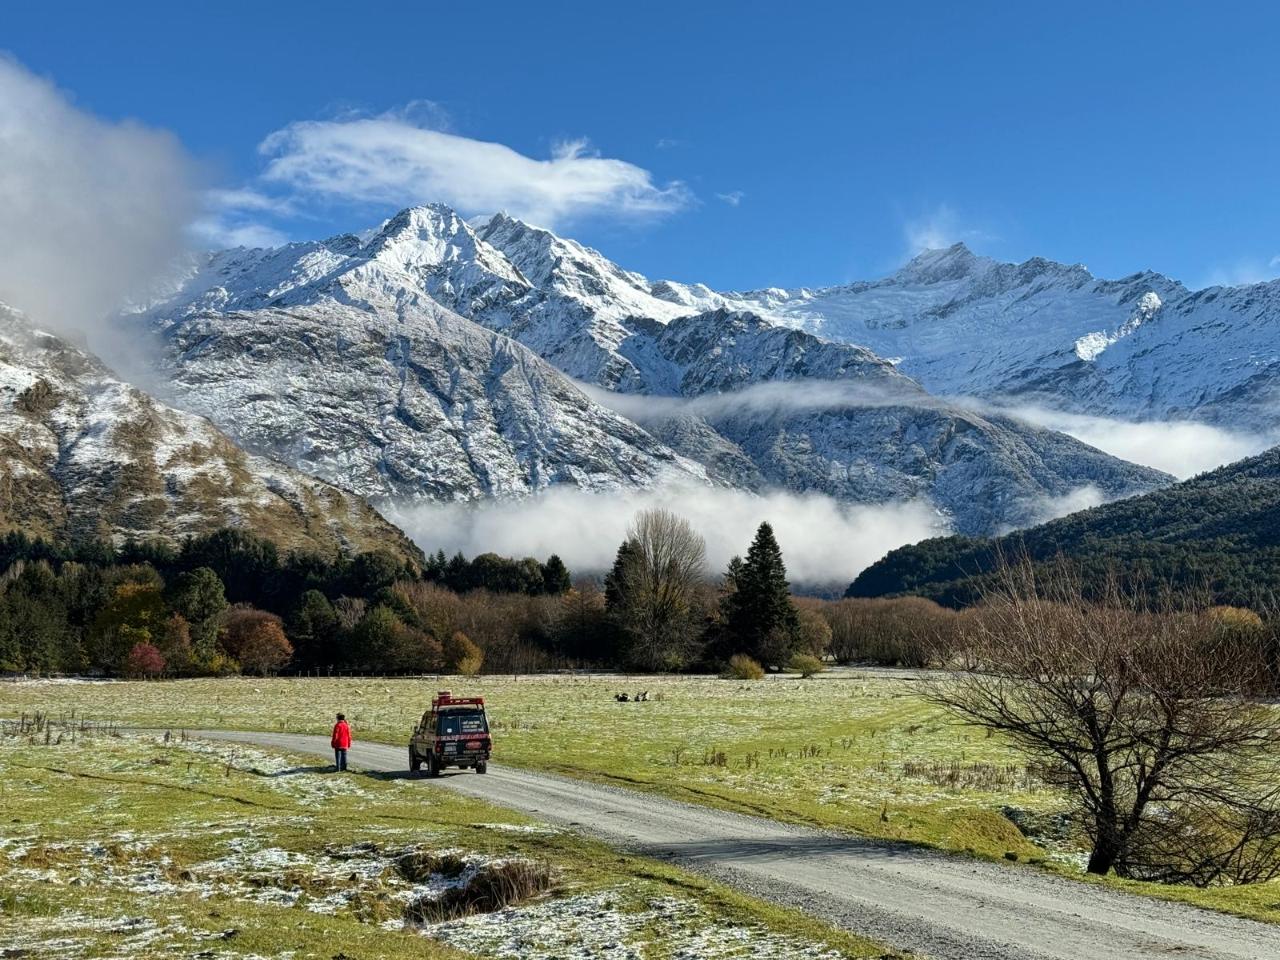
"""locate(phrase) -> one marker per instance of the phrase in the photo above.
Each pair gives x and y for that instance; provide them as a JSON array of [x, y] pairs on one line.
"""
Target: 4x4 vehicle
[[453, 733]]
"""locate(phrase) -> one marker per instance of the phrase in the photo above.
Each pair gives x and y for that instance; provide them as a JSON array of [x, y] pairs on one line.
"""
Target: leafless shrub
[[1147, 717], [904, 631]]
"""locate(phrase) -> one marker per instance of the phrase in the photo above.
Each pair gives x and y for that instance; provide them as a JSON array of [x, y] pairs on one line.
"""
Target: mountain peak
[[937, 266]]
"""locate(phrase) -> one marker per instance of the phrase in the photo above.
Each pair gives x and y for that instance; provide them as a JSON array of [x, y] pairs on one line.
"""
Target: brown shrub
[[904, 631]]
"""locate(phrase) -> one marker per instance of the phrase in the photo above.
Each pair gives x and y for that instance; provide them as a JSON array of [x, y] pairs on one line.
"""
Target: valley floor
[[148, 845], [858, 751]]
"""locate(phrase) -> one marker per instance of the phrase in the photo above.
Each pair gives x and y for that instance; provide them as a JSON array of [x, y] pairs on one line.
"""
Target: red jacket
[[341, 739]]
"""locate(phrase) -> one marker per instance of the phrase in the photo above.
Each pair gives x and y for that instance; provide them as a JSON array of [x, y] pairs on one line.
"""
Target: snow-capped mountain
[[766, 407], [352, 360], [87, 456], [334, 357], [1142, 347]]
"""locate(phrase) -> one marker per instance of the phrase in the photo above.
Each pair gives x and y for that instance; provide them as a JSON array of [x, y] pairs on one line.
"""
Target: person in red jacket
[[341, 743]]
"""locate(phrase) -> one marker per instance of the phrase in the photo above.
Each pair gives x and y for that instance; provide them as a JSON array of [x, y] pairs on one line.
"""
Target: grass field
[[863, 752], [142, 845]]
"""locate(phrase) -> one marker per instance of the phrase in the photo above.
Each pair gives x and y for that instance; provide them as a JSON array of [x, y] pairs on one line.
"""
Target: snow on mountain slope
[[88, 456], [400, 399], [770, 407], [347, 359], [1143, 347]]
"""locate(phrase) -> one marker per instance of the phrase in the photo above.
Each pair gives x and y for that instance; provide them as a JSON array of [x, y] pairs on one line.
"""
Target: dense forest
[[1218, 532], [231, 601]]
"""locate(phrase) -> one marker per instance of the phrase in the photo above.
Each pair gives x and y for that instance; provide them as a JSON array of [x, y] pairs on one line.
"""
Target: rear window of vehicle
[[463, 721]]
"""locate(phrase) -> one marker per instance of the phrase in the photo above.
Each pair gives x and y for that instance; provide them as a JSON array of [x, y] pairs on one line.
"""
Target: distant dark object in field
[[638, 698]]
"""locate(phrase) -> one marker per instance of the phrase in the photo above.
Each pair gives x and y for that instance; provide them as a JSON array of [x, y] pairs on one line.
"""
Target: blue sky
[[739, 144]]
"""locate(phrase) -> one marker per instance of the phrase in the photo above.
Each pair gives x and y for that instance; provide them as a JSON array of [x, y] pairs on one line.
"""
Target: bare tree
[[659, 588], [1148, 719]]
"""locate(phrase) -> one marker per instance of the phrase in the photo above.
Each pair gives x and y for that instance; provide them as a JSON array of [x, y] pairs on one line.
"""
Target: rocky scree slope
[[87, 456]]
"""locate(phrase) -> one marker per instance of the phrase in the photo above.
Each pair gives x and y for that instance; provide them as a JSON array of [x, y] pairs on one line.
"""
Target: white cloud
[[1244, 273], [218, 232], [405, 157], [1073, 501], [91, 210], [1182, 448], [732, 198], [766, 398], [825, 542], [939, 229]]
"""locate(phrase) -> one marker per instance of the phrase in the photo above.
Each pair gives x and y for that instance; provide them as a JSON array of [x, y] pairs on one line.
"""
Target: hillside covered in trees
[[1219, 531]]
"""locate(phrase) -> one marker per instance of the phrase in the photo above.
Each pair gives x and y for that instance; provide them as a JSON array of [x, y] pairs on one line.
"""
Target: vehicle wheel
[[482, 767], [433, 767], [415, 764]]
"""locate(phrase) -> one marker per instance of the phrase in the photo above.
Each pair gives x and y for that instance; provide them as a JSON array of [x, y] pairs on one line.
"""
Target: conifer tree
[[759, 617], [555, 576]]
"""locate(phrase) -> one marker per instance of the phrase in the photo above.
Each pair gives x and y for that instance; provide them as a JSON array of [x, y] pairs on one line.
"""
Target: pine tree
[[760, 619], [555, 576]]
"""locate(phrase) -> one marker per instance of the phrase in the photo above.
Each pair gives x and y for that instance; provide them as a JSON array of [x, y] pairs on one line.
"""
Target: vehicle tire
[[433, 766], [415, 763], [482, 767]]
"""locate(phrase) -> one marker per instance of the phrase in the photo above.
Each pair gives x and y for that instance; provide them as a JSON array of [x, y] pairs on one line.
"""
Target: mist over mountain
[[436, 359]]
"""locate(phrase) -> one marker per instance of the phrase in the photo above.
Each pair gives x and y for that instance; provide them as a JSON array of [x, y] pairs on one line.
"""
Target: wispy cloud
[[825, 542], [939, 228], [1182, 448], [91, 210], [1243, 273], [732, 198], [233, 218], [767, 398], [406, 157]]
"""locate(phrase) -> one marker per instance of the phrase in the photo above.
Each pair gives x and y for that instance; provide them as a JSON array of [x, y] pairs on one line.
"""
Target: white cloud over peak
[[406, 157], [93, 210], [938, 229]]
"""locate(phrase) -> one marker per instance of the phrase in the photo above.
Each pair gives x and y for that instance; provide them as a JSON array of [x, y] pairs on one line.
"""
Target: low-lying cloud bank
[[767, 398], [92, 210], [826, 543], [1182, 448]]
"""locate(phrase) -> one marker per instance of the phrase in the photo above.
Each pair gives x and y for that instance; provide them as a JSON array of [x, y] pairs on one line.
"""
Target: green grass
[[133, 846], [855, 751], [862, 754]]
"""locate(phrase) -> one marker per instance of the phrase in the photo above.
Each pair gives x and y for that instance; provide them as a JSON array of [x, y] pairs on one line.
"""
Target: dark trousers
[[340, 758]]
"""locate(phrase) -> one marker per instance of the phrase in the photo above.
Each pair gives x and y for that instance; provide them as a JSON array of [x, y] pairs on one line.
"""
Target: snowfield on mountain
[[1140, 348]]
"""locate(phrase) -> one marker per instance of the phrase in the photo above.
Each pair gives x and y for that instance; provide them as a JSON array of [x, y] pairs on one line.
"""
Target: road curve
[[947, 907]]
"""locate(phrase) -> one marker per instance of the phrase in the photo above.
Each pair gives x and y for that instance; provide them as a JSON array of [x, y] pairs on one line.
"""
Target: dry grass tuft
[[491, 887]]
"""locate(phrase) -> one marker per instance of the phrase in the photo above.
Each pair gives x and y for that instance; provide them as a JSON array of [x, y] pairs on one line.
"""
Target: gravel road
[[946, 907]]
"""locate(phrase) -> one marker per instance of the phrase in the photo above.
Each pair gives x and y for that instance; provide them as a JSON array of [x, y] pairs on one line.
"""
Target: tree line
[[230, 601]]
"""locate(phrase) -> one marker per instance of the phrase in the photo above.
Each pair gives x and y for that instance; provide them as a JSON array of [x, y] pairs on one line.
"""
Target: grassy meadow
[[859, 751], [864, 753], [144, 845]]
